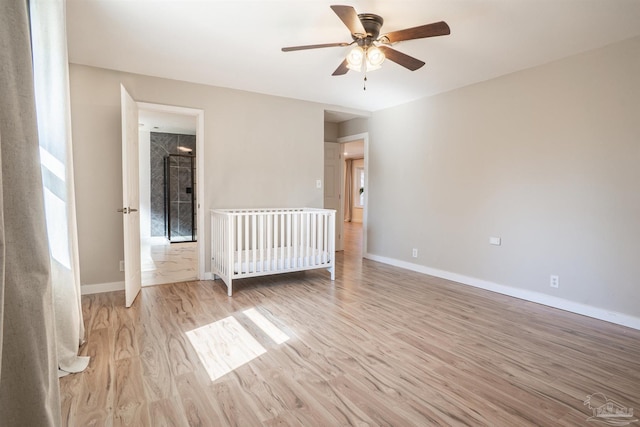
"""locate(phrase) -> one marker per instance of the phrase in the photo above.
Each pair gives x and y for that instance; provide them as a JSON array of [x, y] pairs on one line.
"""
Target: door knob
[[127, 210]]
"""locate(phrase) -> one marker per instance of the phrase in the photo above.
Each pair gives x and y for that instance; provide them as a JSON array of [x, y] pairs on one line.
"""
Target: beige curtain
[[29, 394], [348, 190], [51, 81]]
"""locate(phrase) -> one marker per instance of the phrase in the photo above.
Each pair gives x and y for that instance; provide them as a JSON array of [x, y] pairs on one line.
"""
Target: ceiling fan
[[371, 49]]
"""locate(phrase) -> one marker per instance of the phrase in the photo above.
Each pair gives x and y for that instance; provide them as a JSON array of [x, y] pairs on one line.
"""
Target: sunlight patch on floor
[[224, 346], [267, 327]]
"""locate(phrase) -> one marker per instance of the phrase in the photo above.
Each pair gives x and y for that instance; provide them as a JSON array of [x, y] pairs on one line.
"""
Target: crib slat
[[216, 244], [288, 240], [229, 240], [253, 243], [297, 246], [238, 249], [314, 233], [245, 249], [268, 218], [283, 244], [307, 245], [261, 242], [275, 241], [325, 245], [303, 234], [214, 240], [332, 243]]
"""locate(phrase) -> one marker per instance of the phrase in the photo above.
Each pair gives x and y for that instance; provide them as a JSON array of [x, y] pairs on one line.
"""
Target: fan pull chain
[[364, 85]]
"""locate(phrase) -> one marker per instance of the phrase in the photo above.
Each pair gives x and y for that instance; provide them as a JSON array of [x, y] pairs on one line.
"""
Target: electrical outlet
[[121, 265], [414, 253], [554, 281]]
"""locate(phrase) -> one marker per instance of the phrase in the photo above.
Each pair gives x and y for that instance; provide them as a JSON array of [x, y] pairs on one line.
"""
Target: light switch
[[318, 183], [495, 241]]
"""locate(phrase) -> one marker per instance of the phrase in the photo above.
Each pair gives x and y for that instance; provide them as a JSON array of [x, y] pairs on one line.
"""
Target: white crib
[[258, 242]]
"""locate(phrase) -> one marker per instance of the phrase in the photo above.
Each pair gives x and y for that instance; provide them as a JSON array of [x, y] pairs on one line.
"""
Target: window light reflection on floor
[[225, 345], [267, 327]]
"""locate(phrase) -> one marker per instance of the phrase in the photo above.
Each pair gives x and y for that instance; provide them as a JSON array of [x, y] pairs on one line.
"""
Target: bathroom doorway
[[170, 155]]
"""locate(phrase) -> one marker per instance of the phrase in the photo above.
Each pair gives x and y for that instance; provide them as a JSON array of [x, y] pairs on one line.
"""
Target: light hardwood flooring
[[379, 346]]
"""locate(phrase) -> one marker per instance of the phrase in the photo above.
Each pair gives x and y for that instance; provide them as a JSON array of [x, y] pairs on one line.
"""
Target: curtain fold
[[348, 190], [29, 393], [51, 81]]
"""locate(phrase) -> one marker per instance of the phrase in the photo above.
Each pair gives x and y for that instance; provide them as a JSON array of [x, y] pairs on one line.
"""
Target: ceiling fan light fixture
[[365, 59], [375, 57], [355, 58]]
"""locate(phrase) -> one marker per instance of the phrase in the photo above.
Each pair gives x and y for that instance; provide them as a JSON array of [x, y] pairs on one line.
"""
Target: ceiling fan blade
[[348, 15], [342, 69], [429, 30], [400, 58], [313, 46]]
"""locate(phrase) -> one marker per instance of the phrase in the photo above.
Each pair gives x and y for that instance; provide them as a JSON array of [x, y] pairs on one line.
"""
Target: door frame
[[340, 183], [350, 138], [199, 115]]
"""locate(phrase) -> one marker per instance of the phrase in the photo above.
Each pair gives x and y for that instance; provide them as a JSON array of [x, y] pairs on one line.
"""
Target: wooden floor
[[379, 346]]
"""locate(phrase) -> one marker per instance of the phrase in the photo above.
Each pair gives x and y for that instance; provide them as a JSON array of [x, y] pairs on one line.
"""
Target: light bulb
[[354, 58], [375, 57]]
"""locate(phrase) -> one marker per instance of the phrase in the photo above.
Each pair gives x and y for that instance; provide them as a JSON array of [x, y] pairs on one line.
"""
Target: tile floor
[[164, 262]]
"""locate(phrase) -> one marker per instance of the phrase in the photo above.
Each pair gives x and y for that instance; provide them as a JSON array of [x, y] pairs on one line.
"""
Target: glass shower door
[[180, 203]]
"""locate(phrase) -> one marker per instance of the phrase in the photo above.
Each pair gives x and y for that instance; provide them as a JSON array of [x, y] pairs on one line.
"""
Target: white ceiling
[[157, 121], [237, 43]]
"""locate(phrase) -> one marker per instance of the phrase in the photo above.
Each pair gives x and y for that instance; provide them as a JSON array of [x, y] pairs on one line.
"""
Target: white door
[[130, 197], [333, 185]]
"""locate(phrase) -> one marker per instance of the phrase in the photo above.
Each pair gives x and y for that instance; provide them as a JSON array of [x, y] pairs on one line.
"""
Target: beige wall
[[548, 159], [330, 132], [353, 127], [260, 151]]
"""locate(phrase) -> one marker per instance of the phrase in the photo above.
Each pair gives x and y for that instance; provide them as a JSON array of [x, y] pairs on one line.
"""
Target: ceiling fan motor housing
[[372, 24]]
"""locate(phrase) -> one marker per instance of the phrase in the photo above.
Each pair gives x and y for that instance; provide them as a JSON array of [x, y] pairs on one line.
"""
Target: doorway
[[355, 192], [170, 208], [346, 184]]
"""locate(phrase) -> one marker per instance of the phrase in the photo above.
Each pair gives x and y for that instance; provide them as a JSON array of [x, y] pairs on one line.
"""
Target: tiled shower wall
[[163, 144]]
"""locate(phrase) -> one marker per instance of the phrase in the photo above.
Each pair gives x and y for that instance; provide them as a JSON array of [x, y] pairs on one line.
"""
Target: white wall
[[144, 139], [548, 159], [260, 151]]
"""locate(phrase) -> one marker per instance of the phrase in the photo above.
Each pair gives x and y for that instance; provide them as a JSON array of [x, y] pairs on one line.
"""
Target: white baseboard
[[101, 287], [117, 286], [537, 297]]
